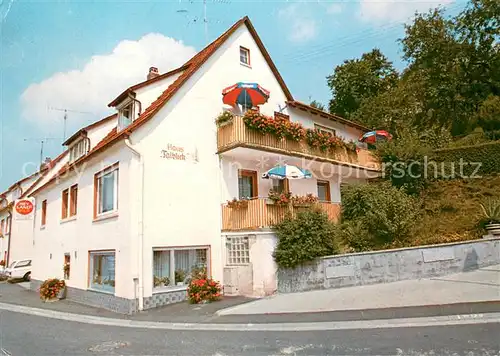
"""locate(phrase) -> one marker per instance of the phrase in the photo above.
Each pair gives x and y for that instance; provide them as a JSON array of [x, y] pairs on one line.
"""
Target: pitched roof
[[145, 83], [83, 131], [188, 69], [316, 111]]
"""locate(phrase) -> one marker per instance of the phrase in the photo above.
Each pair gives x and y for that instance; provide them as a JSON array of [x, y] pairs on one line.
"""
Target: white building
[[142, 198]]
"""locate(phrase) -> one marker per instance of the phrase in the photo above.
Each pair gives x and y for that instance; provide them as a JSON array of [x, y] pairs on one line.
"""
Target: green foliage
[[357, 79], [488, 115], [317, 105], [404, 160], [224, 117], [304, 237], [379, 214], [487, 155]]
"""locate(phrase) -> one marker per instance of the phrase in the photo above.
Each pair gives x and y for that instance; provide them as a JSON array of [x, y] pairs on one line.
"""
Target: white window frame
[[130, 105], [237, 250], [322, 128], [98, 181], [247, 51], [172, 250], [78, 149], [91, 286]]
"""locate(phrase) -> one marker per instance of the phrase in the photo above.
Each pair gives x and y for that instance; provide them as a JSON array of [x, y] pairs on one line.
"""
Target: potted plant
[[278, 198], [304, 201], [237, 204], [180, 275], [2, 263], [161, 281], [52, 290], [204, 290], [491, 212], [224, 118]]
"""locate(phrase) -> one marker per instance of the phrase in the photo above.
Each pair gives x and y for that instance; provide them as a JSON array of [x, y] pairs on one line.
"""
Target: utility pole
[[205, 21]]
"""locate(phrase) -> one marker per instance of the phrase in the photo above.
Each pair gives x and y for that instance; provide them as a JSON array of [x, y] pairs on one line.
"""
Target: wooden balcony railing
[[260, 213], [237, 134]]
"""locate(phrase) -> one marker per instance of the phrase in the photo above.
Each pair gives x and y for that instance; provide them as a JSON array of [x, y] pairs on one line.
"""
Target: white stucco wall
[[97, 133], [348, 133], [82, 234], [146, 95]]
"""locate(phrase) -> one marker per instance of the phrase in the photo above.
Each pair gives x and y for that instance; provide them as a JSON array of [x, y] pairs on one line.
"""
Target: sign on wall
[[24, 209], [178, 153]]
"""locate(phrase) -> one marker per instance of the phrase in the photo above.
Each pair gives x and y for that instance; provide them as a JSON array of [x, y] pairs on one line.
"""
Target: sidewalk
[[478, 286]]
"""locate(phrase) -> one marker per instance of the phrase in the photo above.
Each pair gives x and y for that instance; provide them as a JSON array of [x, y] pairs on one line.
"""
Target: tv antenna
[[195, 20], [42, 142], [65, 117]]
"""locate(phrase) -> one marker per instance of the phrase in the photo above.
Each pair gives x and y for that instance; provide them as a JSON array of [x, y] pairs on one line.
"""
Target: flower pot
[[270, 202], [62, 293], [493, 229]]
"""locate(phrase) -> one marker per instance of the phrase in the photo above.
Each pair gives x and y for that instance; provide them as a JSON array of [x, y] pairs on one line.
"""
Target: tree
[[317, 105], [358, 79]]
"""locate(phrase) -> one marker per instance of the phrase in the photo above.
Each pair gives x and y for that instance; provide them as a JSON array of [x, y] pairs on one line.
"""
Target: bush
[[203, 290], [51, 288], [304, 237], [382, 215]]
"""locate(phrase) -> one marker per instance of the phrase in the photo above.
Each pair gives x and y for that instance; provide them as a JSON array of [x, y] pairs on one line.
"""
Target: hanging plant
[[237, 204], [225, 116], [307, 200], [278, 198]]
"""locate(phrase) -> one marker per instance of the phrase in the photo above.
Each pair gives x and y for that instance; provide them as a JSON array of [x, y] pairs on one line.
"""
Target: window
[[325, 129], [64, 205], [79, 149], [280, 185], [176, 267], [102, 271], [324, 190], [237, 250], [247, 184], [126, 115], [44, 212], [24, 263], [73, 200], [244, 56], [106, 191]]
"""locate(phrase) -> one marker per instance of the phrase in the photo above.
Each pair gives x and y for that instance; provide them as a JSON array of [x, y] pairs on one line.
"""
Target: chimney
[[153, 73], [46, 163]]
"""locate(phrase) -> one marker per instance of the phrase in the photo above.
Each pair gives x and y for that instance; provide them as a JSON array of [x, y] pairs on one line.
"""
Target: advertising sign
[[24, 209]]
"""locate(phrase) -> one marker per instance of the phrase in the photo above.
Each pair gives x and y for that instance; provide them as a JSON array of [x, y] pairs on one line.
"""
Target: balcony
[[260, 213], [236, 134]]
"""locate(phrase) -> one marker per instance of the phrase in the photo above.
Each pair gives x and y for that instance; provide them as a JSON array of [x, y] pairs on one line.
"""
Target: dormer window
[[78, 149], [126, 114], [245, 56]]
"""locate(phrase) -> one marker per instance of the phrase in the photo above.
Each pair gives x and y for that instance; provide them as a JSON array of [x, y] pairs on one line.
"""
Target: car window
[[24, 263], [12, 264]]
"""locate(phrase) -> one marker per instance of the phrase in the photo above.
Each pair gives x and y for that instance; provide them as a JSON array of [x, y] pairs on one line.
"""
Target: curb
[[467, 319]]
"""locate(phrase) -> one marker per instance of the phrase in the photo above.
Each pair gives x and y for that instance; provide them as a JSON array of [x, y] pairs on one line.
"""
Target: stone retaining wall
[[390, 265]]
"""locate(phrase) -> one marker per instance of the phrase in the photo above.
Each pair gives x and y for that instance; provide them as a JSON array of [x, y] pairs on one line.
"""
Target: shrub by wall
[[487, 155]]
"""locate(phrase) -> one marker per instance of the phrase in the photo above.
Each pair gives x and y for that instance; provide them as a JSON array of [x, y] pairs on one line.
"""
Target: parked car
[[19, 269]]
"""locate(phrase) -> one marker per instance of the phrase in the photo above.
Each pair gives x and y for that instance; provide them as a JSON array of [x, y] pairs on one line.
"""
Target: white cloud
[[303, 27], [395, 10], [101, 80]]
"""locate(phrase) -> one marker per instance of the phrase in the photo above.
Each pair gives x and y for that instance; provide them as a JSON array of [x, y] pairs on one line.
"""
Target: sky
[[79, 55]]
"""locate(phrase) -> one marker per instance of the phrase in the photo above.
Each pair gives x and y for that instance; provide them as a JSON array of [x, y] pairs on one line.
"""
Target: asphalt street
[[22, 334]]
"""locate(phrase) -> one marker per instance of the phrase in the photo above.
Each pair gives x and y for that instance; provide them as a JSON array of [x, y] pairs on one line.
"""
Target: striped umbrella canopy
[[246, 94], [287, 172], [376, 136]]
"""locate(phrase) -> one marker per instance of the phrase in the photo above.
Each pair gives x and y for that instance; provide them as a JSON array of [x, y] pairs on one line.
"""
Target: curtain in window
[[107, 192], [245, 187], [279, 185], [161, 263], [103, 272]]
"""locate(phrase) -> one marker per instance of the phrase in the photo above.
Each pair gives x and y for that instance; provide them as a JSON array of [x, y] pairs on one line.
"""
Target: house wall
[[77, 236], [182, 201], [348, 133], [146, 95], [97, 133]]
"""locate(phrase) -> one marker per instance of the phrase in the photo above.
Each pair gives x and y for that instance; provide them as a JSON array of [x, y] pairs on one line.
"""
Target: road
[[22, 334]]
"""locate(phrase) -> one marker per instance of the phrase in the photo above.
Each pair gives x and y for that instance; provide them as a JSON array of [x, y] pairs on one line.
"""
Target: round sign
[[24, 207]]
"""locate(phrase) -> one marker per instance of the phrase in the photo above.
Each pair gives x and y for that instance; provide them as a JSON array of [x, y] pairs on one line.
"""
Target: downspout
[[140, 223], [10, 238]]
